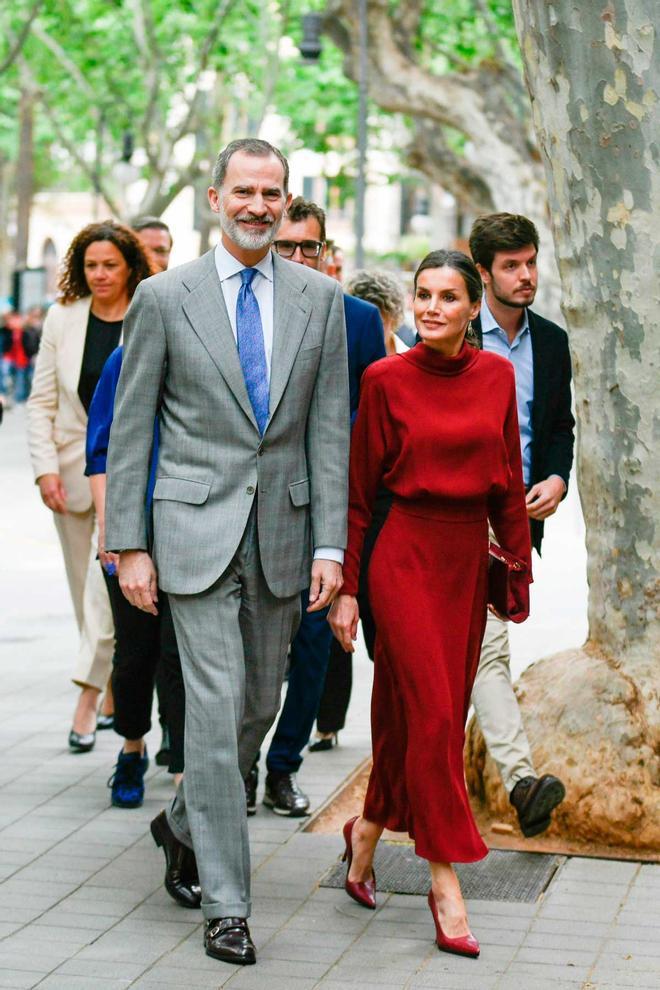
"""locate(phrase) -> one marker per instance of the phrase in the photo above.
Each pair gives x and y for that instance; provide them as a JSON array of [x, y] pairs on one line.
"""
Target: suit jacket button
[[250, 490]]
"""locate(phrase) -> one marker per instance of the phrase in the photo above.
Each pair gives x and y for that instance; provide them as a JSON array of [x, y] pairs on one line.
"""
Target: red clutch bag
[[508, 584]]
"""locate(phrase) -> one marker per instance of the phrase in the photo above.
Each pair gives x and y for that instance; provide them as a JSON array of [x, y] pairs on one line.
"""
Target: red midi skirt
[[427, 589]]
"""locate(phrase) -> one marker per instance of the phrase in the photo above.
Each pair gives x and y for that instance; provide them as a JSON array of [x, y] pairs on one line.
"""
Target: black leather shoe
[[105, 722], [534, 799], [229, 939], [81, 742], [251, 784], [283, 795], [181, 879]]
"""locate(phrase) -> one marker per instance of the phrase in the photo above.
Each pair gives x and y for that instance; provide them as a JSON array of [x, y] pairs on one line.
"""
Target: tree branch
[[20, 39], [144, 33], [431, 154], [69, 67]]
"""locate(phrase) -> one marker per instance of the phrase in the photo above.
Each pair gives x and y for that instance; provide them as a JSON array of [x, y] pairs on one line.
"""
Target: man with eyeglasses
[[301, 239]]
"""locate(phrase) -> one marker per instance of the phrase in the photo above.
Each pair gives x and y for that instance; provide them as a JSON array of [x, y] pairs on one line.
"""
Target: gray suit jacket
[[181, 363]]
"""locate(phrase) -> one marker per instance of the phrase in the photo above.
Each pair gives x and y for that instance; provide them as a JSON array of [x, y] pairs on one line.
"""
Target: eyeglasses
[[309, 249]]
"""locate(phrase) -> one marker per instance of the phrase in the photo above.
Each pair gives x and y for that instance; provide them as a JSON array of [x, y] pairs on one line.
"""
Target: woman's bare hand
[[53, 492], [343, 618]]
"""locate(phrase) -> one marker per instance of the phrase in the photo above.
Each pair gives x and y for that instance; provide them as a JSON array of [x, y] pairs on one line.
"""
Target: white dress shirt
[[229, 271]]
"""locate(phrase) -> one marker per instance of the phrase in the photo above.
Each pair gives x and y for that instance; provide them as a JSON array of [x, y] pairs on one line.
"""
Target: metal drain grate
[[502, 876]]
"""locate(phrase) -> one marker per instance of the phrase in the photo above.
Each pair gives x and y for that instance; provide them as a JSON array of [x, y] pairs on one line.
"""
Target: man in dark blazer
[[505, 247], [301, 239]]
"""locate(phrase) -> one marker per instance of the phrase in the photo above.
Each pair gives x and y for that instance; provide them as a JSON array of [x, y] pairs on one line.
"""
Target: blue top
[[99, 421], [365, 339], [521, 356]]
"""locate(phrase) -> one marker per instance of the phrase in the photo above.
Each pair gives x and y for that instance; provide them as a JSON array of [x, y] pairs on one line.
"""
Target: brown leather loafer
[[228, 939], [181, 879]]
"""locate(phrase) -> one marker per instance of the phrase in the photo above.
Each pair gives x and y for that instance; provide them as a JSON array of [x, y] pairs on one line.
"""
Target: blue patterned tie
[[251, 352]]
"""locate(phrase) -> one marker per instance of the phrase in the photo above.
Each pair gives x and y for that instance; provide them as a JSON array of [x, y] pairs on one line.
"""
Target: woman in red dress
[[438, 427]]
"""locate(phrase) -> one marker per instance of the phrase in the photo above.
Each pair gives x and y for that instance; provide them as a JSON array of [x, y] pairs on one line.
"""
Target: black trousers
[[144, 646], [339, 677]]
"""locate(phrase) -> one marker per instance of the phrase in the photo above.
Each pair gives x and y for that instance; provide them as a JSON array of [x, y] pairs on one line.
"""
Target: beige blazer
[[57, 421]]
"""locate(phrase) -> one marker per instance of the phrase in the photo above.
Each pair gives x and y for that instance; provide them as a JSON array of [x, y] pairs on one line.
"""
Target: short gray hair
[[380, 288], [251, 146]]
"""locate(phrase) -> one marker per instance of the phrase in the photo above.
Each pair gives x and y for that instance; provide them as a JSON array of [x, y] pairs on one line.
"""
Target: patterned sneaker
[[127, 782]]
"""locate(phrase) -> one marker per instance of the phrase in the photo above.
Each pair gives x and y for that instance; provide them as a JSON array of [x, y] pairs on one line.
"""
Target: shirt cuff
[[329, 553], [561, 479]]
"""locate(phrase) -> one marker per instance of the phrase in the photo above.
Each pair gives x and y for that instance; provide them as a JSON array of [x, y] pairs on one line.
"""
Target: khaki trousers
[[91, 604], [496, 707]]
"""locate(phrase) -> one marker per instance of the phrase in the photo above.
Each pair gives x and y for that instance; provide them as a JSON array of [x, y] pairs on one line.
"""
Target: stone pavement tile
[[71, 939], [563, 942], [18, 912], [94, 969], [604, 980], [180, 979], [174, 929], [19, 979], [570, 926], [55, 982], [634, 917], [330, 982], [455, 981], [520, 972], [615, 891], [514, 980], [579, 911], [563, 955], [167, 911], [120, 947], [623, 944], [508, 910], [629, 962], [251, 978], [598, 870]]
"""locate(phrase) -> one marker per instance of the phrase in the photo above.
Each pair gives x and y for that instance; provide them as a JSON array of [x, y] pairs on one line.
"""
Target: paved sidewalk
[[81, 901]]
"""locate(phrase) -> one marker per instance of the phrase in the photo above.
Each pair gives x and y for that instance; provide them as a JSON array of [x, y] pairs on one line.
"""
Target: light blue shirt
[[520, 354]]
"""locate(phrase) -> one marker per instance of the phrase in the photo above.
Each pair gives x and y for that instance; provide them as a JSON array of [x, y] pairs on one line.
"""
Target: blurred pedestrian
[[505, 248], [421, 432], [302, 239], [102, 268], [156, 238], [16, 361]]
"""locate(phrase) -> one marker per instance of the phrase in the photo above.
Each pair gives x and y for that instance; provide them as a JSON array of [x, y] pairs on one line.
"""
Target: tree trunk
[[593, 715], [24, 176]]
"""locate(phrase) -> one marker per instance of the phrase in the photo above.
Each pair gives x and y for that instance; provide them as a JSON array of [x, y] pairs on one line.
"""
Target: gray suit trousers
[[233, 639]]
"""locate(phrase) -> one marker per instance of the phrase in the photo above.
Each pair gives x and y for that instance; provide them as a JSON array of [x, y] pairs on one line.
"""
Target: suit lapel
[[291, 316], [541, 364], [206, 311], [75, 335]]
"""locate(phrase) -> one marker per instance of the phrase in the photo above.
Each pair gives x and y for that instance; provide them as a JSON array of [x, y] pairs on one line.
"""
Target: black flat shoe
[[324, 743], [534, 799], [181, 879], [105, 722], [81, 742], [229, 940]]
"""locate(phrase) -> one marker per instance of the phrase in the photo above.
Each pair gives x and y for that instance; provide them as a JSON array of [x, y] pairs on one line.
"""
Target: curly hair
[[380, 288], [72, 283]]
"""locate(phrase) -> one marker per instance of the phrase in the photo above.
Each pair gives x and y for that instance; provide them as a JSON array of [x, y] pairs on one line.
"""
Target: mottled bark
[[593, 74], [24, 175]]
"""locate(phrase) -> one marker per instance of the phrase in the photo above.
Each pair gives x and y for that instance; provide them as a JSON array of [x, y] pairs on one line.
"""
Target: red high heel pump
[[364, 892], [464, 945]]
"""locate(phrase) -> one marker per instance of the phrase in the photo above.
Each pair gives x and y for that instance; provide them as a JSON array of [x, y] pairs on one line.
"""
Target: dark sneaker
[[283, 795], [251, 783], [534, 799], [127, 782]]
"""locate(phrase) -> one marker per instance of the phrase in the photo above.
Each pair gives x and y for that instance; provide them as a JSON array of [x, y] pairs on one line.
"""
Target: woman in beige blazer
[[102, 267]]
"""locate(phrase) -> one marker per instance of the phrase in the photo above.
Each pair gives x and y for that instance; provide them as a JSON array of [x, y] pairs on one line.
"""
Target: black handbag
[[508, 584]]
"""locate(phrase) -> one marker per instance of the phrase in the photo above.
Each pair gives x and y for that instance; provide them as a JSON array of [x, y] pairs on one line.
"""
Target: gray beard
[[242, 237]]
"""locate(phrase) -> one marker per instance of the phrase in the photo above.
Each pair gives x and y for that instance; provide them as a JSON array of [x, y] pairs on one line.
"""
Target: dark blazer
[[365, 340], [553, 425]]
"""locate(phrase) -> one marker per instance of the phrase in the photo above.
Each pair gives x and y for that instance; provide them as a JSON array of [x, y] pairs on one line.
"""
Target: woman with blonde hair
[[101, 270]]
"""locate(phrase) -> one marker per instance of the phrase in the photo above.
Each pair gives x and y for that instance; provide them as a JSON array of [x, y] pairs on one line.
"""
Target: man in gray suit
[[242, 356]]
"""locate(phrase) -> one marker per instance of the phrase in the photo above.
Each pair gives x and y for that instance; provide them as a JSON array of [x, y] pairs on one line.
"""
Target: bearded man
[[243, 358]]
